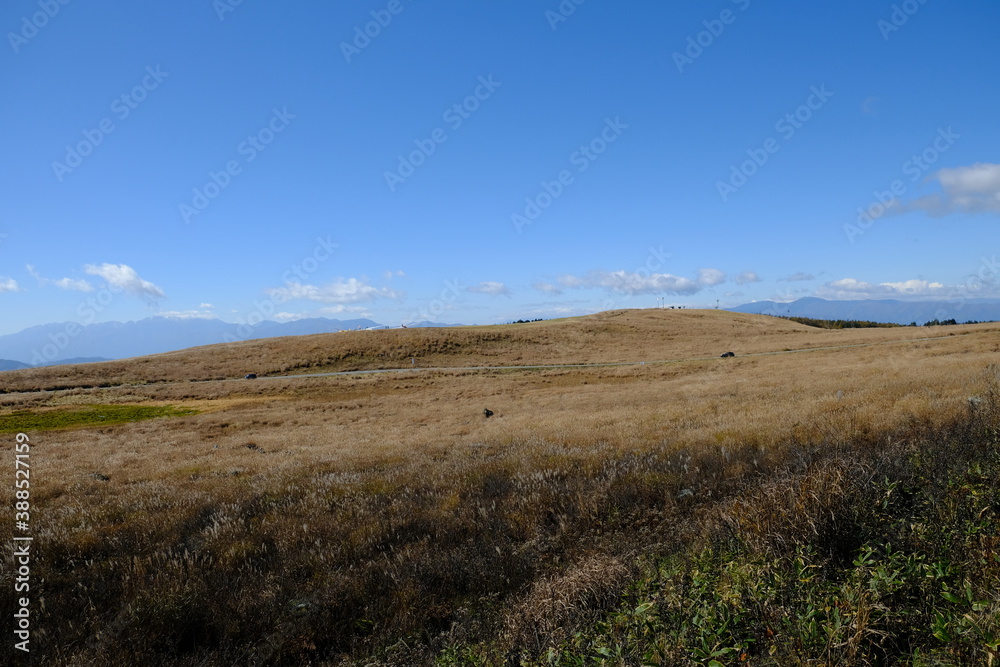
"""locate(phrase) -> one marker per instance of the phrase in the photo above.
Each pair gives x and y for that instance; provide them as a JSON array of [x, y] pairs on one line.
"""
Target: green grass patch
[[92, 415]]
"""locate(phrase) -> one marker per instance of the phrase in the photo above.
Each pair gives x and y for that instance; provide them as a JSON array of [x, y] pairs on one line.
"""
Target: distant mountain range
[[894, 311], [51, 344]]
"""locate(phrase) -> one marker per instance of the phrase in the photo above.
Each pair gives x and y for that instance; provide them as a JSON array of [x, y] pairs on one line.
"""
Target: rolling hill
[[610, 337]]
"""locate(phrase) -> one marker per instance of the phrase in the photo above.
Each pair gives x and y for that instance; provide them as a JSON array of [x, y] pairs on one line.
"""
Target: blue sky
[[479, 162]]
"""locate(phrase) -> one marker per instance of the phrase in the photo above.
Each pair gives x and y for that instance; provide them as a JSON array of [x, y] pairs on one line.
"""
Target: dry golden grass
[[354, 420], [392, 489]]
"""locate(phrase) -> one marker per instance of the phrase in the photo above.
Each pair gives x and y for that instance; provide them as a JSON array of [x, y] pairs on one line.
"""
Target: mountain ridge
[[893, 311]]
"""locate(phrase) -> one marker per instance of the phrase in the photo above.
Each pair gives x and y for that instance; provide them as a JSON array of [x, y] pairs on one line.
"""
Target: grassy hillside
[[614, 336], [825, 497]]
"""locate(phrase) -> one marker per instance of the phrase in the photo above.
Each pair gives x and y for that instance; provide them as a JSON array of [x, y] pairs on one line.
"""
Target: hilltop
[[610, 337]]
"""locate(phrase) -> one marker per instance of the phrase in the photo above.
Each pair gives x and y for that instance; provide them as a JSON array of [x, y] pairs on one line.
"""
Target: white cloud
[[73, 285], [711, 277], [627, 282], [187, 315], [747, 277], [326, 311], [342, 291], [849, 288], [799, 276], [980, 178], [571, 281], [974, 189], [62, 283], [849, 285], [340, 309], [636, 282], [125, 278], [490, 287], [389, 275], [916, 287], [9, 285], [548, 288], [623, 282], [206, 306]]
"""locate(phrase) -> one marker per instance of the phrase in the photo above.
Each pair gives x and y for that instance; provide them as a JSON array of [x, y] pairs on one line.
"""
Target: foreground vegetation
[[885, 559], [880, 550]]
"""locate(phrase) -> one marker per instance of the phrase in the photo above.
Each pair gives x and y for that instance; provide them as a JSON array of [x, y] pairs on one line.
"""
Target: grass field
[[825, 497]]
